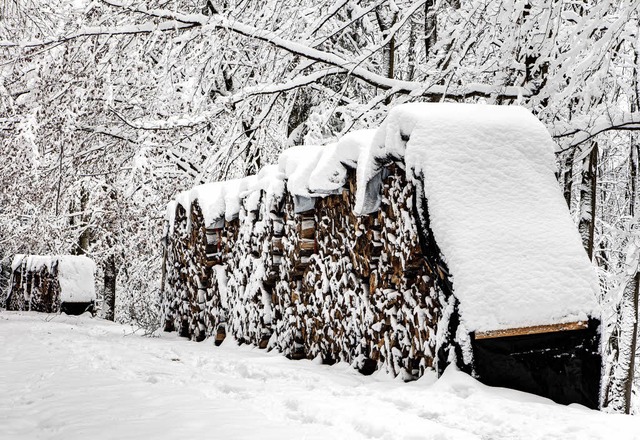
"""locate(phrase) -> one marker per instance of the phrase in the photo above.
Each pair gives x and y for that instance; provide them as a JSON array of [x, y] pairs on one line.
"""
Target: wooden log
[[532, 330], [308, 228]]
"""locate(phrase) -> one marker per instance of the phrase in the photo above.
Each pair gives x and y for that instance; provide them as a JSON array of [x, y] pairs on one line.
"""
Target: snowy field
[[82, 378]]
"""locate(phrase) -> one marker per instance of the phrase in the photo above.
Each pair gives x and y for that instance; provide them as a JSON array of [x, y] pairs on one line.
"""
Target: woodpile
[[34, 288], [320, 283], [51, 284]]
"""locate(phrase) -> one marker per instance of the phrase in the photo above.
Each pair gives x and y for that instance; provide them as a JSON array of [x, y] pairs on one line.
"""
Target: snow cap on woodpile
[[218, 201], [33, 263], [76, 274], [495, 208], [270, 181], [308, 170], [330, 173], [297, 163]]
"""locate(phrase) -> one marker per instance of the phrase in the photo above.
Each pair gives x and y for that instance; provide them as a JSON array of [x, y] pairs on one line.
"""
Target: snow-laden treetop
[[495, 207], [75, 274]]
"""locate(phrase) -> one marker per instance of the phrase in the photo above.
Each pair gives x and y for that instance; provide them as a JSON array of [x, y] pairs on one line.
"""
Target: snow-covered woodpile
[[397, 249], [52, 284], [304, 274]]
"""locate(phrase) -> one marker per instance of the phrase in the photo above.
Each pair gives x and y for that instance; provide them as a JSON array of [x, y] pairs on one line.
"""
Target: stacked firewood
[[317, 284], [366, 295], [51, 284], [288, 337], [175, 291], [403, 288], [34, 288], [248, 265]]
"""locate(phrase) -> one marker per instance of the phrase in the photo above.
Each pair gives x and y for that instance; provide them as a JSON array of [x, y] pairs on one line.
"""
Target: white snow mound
[[297, 163], [76, 277]]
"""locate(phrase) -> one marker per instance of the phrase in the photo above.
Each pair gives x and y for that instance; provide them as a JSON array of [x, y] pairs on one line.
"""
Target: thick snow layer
[[75, 274], [210, 197], [269, 180], [217, 200], [33, 263], [330, 173], [297, 163], [67, 378], [496, 211], [76, 277], [222, 200]]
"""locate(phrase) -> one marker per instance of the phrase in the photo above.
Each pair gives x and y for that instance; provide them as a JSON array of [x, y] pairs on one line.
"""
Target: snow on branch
[[177, 21], [353, 69], [579, 132], [91, 31]]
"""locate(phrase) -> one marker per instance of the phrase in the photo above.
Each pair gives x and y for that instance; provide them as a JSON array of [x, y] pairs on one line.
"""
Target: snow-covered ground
[[81, 378]]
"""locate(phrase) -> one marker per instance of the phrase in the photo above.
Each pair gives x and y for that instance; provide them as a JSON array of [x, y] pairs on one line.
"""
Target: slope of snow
[[496, 211], [72, 378]]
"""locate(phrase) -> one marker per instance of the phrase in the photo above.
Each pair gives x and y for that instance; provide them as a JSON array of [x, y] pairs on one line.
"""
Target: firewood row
[[323, 283], [35, 289]]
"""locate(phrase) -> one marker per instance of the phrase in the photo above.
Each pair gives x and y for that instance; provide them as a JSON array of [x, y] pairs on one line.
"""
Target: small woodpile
[[318, 283], [51, 284]]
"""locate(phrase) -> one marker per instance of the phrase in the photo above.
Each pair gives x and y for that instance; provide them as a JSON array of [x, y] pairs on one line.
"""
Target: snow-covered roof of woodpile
[[308, 170], [75, 274], [495, 207]]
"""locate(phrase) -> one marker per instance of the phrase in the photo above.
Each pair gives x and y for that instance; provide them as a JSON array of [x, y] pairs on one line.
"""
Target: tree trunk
[[411, 52], [85, 234], [109, 292], [634, 164], [252, 151], [632, 291], [588, 199], [386, 20], [623, 342], [430, 26], [299, 114], [567, 177]]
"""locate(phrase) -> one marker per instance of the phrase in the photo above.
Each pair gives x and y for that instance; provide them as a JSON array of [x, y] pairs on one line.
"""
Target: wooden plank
[[533, 330]]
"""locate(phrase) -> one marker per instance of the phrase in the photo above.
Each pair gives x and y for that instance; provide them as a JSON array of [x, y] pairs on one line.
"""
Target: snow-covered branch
[[171, 25], [352, 67], [581, 131]]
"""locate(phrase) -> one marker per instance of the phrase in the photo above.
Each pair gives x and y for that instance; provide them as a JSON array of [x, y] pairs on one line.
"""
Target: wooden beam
[[534, 330]]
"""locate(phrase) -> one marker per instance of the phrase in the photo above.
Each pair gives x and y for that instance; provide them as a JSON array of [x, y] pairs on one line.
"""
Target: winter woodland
[[109, 108]]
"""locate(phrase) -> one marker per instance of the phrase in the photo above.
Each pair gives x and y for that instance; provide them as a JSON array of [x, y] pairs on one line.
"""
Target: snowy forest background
[[109, 108]]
